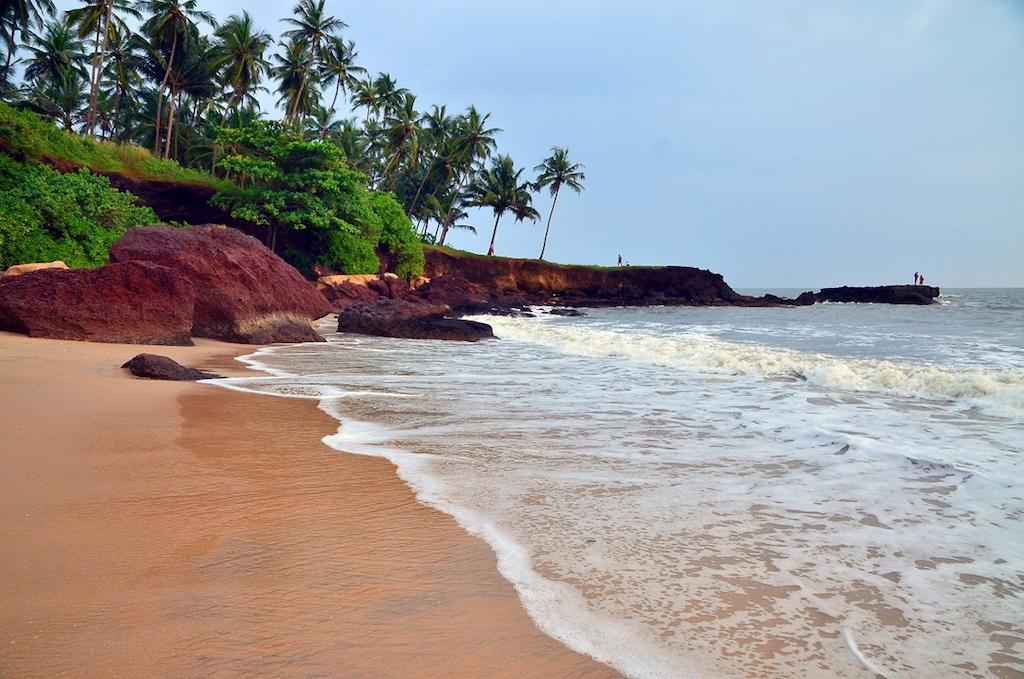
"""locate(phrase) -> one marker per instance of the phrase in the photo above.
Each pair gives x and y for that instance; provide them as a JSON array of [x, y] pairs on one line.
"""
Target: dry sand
[[165, 529]]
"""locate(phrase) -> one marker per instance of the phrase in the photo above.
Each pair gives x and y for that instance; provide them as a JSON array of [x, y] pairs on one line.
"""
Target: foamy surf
[[999, 392], [703, 522]]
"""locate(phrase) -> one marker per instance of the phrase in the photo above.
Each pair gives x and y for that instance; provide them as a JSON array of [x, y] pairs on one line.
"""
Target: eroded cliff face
[[540, 282]]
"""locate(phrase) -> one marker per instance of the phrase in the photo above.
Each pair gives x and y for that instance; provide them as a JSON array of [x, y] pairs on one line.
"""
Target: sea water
[[834, 490]]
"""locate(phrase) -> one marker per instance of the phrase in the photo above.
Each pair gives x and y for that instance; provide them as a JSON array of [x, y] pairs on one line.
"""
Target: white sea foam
[[1000, 392], [731, 515]]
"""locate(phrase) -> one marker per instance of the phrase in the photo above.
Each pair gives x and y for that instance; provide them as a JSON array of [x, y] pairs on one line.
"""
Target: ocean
[[834, 490]]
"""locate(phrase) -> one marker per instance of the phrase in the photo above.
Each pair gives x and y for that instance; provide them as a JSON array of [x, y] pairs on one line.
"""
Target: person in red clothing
[[922, 279]]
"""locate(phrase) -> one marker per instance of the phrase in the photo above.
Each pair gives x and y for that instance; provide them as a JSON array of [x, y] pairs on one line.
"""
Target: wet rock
[[155, 367], [244, 292], [880, 294], [128, 303], [565, 311], [410, 319]]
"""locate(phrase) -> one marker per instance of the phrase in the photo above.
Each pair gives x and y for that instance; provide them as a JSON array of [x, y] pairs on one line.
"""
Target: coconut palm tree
[[555, 172], [53, 53], [174, 22], [501, 188], [402, 136], [390, 96], [121, 77], [238, 57], [16, 16], [474, 142], [291, 72], [99, 19], [312, 28], [338, 67], [364, 95], [438, 127]]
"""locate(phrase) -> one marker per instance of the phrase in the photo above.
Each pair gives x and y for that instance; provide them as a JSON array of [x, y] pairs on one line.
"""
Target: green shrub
[[306, 193], [398, 235], [46, 215]]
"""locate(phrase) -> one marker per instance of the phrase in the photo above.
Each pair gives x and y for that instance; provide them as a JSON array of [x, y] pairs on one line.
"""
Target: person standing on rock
[[916, 277], [620, 260], [922, 280]]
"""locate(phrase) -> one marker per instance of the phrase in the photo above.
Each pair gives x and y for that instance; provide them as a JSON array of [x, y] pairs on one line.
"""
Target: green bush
[[313, 201], [46, 215], [398, 235]]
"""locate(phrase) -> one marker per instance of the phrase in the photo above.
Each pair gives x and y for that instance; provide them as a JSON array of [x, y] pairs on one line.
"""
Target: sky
[[792, 143]]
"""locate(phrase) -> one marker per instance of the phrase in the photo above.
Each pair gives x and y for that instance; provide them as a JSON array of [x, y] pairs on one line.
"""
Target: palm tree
[[402, 135], [312, 27], [15, 17], [439, 127], [238, 56], [339, 67], [501, 188], [364, 95], [121, 75], [473, 144], [291, 71], [555, 172], [171, 21], [53, 53], [389, 94], [98, 19]]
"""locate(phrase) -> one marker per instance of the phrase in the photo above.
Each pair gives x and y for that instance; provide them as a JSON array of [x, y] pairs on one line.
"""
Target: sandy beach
[[166, 529]]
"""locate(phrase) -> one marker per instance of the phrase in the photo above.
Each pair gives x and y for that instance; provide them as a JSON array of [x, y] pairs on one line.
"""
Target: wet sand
[[165, 529]]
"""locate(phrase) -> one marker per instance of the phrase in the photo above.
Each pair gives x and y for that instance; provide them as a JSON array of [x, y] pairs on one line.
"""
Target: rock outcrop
[[527, 281], [409, 319], [129, 302], [155, 367], [879, 294], [243, 291], [19, 269]]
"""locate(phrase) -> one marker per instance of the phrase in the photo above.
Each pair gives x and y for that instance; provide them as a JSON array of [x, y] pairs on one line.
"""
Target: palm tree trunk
[[94, 95], [323, 130], [426, 175], [117, 115], [548, 227], [490, 250], [305, 76], [90, 118], [170, 123], [160, 94]]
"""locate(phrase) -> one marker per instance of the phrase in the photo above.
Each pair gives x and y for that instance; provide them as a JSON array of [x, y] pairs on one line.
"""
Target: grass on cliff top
[[24, 134], [473, 255]]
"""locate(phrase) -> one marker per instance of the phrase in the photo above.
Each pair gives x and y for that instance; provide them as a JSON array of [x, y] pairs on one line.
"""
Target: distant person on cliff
[[620, 260], [916, 277], [490, 251], [922, 279]]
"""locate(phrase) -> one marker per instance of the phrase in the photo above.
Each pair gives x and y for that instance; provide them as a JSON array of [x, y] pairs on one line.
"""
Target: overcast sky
[[793, 143]]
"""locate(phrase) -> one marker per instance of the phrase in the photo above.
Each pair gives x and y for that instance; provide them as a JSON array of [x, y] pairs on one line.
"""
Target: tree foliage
[[293, 185], [75, 217]]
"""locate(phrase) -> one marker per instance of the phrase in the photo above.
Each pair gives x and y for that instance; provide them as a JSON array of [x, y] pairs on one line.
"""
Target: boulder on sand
[[128, 303], [244, 292], [155, 367], [409, 319]]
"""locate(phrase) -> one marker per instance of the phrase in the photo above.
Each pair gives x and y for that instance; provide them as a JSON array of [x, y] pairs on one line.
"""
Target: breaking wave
[[996, 392]]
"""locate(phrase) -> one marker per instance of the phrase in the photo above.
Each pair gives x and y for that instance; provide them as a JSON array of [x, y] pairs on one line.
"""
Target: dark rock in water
[[128, 303], [244, 292], [156, 367], [564, 311], [881, 294], [410, 319]]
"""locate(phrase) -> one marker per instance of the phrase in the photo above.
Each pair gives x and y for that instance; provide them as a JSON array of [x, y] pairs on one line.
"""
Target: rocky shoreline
[[165, 285]]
